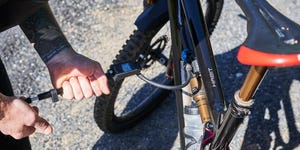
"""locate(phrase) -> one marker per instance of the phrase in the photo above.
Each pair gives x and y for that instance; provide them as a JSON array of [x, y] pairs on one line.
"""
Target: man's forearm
[[43, 31]]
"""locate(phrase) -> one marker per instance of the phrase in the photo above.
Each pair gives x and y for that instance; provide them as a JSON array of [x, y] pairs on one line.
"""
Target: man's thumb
[[42, 126]]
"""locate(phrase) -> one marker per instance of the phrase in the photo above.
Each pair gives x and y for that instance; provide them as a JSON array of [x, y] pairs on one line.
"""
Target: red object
[[250, 56]]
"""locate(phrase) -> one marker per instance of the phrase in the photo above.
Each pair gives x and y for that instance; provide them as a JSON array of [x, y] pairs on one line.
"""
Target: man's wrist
[[47, 56], [61, 56], [44, 32]]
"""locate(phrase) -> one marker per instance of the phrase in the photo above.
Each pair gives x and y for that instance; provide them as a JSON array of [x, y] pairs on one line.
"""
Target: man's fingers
[[95, 85], [42, 126], [85, 86], [67, 90], [76, 88], [104, 84], [26, 132], [36, 109], [102, 79]]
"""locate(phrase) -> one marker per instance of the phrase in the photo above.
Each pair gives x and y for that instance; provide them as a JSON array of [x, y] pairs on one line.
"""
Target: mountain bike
[[191, 70], [147, 45]]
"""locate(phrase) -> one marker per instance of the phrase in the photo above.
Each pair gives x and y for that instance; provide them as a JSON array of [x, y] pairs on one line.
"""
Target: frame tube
[[199, 36], [176, 54]]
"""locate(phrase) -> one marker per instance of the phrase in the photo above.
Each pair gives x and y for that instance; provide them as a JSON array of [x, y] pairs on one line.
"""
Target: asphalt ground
[[98, 29]]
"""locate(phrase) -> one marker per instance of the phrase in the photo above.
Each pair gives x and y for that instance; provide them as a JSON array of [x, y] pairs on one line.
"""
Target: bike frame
[[189, 31]]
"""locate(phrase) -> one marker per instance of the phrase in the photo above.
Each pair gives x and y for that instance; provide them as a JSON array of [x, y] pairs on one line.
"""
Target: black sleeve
[[44, 32]]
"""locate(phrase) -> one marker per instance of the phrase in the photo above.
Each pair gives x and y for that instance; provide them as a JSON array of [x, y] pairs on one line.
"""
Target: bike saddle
[[273, 39]]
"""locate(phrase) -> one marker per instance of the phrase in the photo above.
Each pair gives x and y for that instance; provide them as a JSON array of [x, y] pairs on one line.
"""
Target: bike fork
[[239, 108]]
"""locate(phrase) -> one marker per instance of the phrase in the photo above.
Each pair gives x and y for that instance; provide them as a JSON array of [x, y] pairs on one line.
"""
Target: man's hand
[[19, 119], [79, 76]]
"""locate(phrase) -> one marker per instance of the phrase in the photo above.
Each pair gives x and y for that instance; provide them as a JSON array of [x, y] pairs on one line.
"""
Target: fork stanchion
[[251, 82]]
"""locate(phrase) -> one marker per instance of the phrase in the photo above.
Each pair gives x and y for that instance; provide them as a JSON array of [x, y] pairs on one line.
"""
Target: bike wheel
[[124, 107]]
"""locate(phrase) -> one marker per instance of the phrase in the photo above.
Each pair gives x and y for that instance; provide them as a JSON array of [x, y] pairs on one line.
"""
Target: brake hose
[[169, 87]]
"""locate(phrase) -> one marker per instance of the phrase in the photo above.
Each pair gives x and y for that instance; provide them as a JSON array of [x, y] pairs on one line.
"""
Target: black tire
[[104, 109]]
